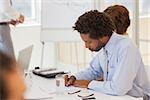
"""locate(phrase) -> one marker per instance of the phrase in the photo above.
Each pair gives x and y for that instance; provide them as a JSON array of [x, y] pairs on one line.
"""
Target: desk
[[38, 88]]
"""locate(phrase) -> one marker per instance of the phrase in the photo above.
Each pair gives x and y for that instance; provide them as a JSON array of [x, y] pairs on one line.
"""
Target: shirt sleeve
[[93, 72], [125, 73], [8, 11]]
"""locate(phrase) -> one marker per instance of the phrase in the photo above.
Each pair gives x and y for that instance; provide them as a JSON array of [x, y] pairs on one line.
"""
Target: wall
[[24, 36]]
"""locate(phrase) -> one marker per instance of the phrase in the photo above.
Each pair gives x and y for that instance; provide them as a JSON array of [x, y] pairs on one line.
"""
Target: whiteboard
[[63, 13], [58, 17]]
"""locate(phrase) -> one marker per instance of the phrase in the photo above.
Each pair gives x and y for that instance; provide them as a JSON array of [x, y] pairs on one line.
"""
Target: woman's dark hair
[[96, 24], [120, 16], [6, 65]]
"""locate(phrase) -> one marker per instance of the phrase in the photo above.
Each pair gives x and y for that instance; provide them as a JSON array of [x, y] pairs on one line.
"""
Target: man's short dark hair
[[96, 24], [6, 65], [120, 16]]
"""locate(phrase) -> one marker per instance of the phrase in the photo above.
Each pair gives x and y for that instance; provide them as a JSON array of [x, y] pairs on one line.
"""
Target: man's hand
[[78, 83], [69, 81], [21, 19], [81, 83]]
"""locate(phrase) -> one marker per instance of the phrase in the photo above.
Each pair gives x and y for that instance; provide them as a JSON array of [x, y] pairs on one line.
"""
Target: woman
[[120, 16], [8, 15], [12, 86]]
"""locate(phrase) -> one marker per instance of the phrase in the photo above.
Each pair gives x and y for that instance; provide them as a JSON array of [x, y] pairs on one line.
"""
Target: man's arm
[[78, 83], [124, 75], [84, 83], [81, 83], [94, 72]]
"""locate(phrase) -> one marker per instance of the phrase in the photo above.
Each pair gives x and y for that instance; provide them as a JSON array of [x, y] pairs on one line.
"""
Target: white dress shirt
[[7, 12], [121, 65]]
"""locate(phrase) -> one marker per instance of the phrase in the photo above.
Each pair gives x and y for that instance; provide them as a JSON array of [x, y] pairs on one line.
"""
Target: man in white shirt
[[118, 60], [8, 15]]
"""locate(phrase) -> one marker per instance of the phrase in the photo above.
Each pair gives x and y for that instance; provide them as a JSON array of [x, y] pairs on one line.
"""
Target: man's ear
[[101, 39], [104, 39]]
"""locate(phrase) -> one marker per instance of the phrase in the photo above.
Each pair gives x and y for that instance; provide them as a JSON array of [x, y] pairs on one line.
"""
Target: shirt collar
[[110, 46]]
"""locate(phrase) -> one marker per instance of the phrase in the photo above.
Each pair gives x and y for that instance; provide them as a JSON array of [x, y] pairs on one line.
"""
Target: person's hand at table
[[69, 80], [78, 83], [81, 83]]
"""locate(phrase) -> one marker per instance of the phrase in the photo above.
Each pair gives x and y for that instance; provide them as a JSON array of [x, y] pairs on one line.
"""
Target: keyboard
[[51, 73]]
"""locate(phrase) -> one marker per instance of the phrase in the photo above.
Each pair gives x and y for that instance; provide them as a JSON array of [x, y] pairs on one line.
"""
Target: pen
[[74, 92], [86, 96]]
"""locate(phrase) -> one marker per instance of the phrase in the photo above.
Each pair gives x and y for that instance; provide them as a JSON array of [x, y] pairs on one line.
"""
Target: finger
[[66, 79], [71, 80], [69, 83], [21, 19]]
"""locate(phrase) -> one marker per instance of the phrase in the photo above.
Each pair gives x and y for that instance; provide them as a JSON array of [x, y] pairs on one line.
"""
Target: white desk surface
[[39, 88]]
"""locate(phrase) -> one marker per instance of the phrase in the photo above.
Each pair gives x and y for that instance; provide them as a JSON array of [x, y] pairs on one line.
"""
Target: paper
[[39, 93], [72, 89], [85, 94]]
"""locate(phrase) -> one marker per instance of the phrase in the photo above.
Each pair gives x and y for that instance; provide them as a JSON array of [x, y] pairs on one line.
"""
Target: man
[[12, 86], [8, 15], [120, 16], [123, 72]]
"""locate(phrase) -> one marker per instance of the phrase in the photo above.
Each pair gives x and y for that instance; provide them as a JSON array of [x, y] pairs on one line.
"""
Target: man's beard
[[97, 48]]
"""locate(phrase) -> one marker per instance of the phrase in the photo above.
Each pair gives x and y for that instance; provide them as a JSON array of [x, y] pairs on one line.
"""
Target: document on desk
[[80, 92], [73, 90], [39, 93], [39, 97], [42, 93]]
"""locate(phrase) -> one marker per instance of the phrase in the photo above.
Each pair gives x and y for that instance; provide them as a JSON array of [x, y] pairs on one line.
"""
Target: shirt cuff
[[95, 85], [77, 76]]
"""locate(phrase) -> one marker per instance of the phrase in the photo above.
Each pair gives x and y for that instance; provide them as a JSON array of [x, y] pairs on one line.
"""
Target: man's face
[[15, 85], [91, 44]]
